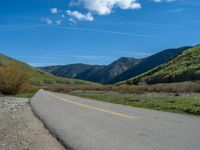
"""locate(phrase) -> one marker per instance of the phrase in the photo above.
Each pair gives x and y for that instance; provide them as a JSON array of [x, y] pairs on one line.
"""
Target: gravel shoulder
[[21, 130]]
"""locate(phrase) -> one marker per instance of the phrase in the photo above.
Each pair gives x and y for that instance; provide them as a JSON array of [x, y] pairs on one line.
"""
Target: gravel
[[21, 130]]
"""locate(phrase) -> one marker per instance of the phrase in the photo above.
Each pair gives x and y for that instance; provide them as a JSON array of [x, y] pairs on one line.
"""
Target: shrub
[[12, 78], [29, 88], [48, 81]]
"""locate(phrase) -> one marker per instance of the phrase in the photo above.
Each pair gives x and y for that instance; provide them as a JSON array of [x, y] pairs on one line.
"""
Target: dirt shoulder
[[21, 130]]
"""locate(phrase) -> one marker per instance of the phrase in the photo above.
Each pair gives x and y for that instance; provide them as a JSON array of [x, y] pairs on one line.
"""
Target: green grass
[[26, 95], [179, 103], [184, 67]]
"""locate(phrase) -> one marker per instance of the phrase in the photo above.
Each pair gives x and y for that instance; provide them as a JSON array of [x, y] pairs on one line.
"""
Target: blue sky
[[50, 32]]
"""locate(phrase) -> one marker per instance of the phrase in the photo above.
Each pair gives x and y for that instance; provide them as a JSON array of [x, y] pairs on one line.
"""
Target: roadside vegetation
[[13, 79], [26, 95], [183, 87], [18, 78], [175, 97], [180, 103]]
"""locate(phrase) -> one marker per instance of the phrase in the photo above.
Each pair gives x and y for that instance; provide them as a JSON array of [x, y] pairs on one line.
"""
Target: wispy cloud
[[178, 10], [108, 32], [161, 1], [194, 3], [54, 10], [47, 20], [135, 54], [14, 27]]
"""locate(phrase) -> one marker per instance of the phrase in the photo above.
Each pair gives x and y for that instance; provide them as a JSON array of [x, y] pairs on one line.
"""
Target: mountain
[[38, 76], [114, 69], [184, 67], [94, 73], [149, 63], [69, 71], [90, 73]]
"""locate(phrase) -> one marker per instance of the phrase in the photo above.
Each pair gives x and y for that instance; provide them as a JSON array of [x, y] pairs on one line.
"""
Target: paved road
[[85, 124]]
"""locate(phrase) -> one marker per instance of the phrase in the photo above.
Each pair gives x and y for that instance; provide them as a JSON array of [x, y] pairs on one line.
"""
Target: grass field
[[179, 103], [26, 95]]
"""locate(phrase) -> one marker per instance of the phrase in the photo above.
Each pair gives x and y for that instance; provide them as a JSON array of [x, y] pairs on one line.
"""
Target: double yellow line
[[93, 107]]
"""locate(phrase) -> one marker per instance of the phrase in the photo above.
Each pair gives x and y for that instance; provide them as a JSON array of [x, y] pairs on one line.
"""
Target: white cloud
[[72, 21], [160, 1], [105, 7], [54, 10], [80, 16], [62, 16], [97, 7], [74, 3], [58, 22], [47, 21]]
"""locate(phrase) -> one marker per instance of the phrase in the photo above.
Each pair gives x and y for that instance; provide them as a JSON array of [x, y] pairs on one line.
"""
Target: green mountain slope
[[149, 63], [38, 76], [184, 67]]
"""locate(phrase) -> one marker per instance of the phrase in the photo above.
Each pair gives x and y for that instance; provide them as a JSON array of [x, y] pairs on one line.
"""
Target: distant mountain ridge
[[95, 73], [68, 71], [114, 69], [122, 69]]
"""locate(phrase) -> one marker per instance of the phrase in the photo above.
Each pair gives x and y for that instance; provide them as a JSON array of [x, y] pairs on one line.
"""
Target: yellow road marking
[[94, 108]]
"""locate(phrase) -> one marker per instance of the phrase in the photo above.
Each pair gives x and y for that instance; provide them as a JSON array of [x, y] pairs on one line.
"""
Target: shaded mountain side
[[149, 63], [184, 67], [95, 73], [114, 69], [38, 76], [69, 71], [89, 74]]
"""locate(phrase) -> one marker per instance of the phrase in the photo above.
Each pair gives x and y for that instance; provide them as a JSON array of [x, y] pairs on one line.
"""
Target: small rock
[[21, 142], [19, 132]]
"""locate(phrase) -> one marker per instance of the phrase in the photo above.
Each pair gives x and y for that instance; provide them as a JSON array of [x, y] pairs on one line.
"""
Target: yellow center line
[[93, 107]]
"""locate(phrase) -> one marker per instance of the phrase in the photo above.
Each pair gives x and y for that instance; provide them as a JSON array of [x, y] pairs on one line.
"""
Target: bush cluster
[[13, 79]]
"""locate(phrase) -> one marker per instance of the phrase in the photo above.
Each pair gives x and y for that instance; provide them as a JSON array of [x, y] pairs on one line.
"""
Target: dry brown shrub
[[28, 88], [12, 78]]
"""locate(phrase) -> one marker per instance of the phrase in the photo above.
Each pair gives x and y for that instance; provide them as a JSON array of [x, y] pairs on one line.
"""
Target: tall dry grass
[[13, 78]]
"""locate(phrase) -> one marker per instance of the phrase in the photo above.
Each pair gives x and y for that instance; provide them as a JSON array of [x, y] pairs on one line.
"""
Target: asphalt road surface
[[85, 124]]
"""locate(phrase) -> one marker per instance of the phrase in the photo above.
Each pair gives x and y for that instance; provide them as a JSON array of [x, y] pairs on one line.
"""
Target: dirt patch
[[21, 130]]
